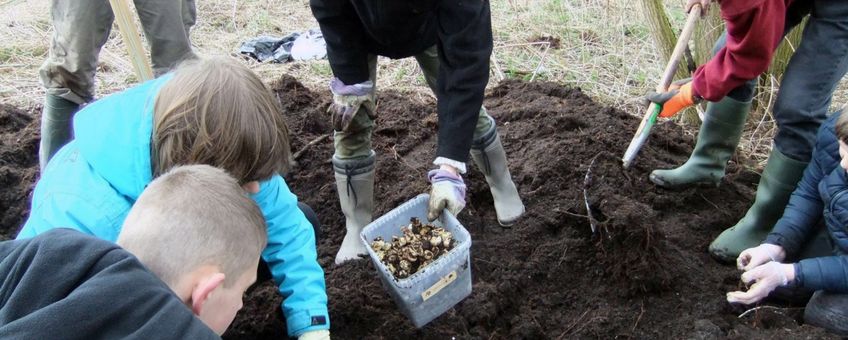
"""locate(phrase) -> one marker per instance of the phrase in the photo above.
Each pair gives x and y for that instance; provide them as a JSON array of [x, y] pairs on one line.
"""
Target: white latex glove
[[315, 335], [765, 279], [753, 257]]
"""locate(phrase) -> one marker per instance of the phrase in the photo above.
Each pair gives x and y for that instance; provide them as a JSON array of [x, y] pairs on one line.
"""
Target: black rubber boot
[[56, 126]]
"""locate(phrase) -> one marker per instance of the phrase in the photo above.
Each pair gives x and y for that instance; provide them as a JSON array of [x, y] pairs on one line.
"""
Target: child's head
[[216, 111], [196, 229], [842, 135]]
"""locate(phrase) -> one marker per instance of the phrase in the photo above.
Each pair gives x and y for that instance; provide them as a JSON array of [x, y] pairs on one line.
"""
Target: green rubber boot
[[720, 133], [777, 182], [56, 129]]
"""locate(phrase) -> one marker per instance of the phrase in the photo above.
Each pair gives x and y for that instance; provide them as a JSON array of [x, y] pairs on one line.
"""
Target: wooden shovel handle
[[679, 49], [653, 110], [123, 18]]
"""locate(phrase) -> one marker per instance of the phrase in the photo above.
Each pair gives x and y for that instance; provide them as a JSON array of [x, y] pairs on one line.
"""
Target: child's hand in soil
[[765, 279], [753, 257], [315, 335]]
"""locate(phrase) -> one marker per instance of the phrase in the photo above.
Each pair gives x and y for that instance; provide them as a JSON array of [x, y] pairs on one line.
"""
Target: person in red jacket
[[754, 29]]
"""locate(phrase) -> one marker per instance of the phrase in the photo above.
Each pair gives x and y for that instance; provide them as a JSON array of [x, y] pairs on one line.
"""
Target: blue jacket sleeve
[[805, 207], [823, 273], [293, 259]]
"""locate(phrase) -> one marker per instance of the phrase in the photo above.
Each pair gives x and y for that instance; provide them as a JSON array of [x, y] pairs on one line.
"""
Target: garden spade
[[654, 109], [124, 19]]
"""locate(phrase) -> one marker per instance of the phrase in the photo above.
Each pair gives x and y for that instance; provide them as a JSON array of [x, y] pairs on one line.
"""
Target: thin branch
[[586, 182], [311, 143], [541, 60], [755, 309]]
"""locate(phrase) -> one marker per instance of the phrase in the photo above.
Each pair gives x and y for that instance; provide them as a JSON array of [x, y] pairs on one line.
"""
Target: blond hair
[[191, 216], [216, 111]]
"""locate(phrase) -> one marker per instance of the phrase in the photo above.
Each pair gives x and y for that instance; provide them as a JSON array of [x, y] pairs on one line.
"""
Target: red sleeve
[[754, 30]]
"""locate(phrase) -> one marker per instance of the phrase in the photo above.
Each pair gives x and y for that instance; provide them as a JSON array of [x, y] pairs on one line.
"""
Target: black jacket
[[66, 285], [461, 29]]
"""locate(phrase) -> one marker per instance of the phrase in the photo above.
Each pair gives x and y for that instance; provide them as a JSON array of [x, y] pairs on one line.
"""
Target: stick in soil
[[586, 182], [311, 143], [757, 309], [398, 157], [642, 307]]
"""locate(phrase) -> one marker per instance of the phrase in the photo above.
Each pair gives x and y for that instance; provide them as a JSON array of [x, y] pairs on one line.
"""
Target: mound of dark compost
[[643, 273], [19, 137]]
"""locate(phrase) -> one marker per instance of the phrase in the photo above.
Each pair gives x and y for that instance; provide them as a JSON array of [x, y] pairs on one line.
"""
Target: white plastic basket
[[437, 287]]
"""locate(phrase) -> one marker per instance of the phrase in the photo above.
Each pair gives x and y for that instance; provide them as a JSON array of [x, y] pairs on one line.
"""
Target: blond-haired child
[[177, 262]]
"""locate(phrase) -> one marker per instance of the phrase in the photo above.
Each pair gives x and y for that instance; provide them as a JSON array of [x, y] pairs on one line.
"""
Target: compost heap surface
[[644, 273]]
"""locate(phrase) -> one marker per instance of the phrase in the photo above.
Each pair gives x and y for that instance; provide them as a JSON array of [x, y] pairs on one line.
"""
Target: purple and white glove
[[447, 192], [347, 100]]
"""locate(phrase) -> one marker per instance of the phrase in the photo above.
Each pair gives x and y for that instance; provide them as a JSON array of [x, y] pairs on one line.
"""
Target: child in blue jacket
[[819, 198], [212, 111]]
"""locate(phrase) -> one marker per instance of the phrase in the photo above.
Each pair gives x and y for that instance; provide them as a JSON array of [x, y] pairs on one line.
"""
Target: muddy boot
[[717, 139], [489, 155], [777, 182], [56, 126], [828, 311], [355, 185]]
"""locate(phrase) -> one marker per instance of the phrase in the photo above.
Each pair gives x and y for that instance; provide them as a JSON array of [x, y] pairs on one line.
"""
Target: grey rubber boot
[[717, 139], [828, 311], [489, 155], [56, 126], [777, 183], [355, 185]]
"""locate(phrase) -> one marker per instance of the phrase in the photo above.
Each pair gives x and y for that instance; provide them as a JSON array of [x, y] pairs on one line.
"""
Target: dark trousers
[[816, 67]]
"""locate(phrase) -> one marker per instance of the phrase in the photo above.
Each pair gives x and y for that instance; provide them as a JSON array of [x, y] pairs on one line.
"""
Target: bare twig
[[642, 307], [497, 66], [586, 182], [541, 60], [711, 203], [311, 143], [399, 158], [756, 309], [564, 333], [573, 214]]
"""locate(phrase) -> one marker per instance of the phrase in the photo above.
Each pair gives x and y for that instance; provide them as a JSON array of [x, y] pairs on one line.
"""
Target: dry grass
[[605, 49]]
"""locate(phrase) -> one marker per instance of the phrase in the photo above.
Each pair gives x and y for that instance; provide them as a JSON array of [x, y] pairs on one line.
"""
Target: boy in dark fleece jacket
[[177, 276], [819, 198]]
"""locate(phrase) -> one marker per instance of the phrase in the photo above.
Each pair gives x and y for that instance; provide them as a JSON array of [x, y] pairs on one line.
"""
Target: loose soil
[[645, 273]]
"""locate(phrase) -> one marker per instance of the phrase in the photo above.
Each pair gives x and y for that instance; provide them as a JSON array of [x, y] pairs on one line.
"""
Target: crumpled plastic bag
[[267, 48], [309, 45], [295, 46]]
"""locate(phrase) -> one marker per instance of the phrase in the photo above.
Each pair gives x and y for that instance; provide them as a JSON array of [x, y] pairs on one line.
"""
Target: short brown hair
[[216, 111], [191, 216], [842, 127]]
